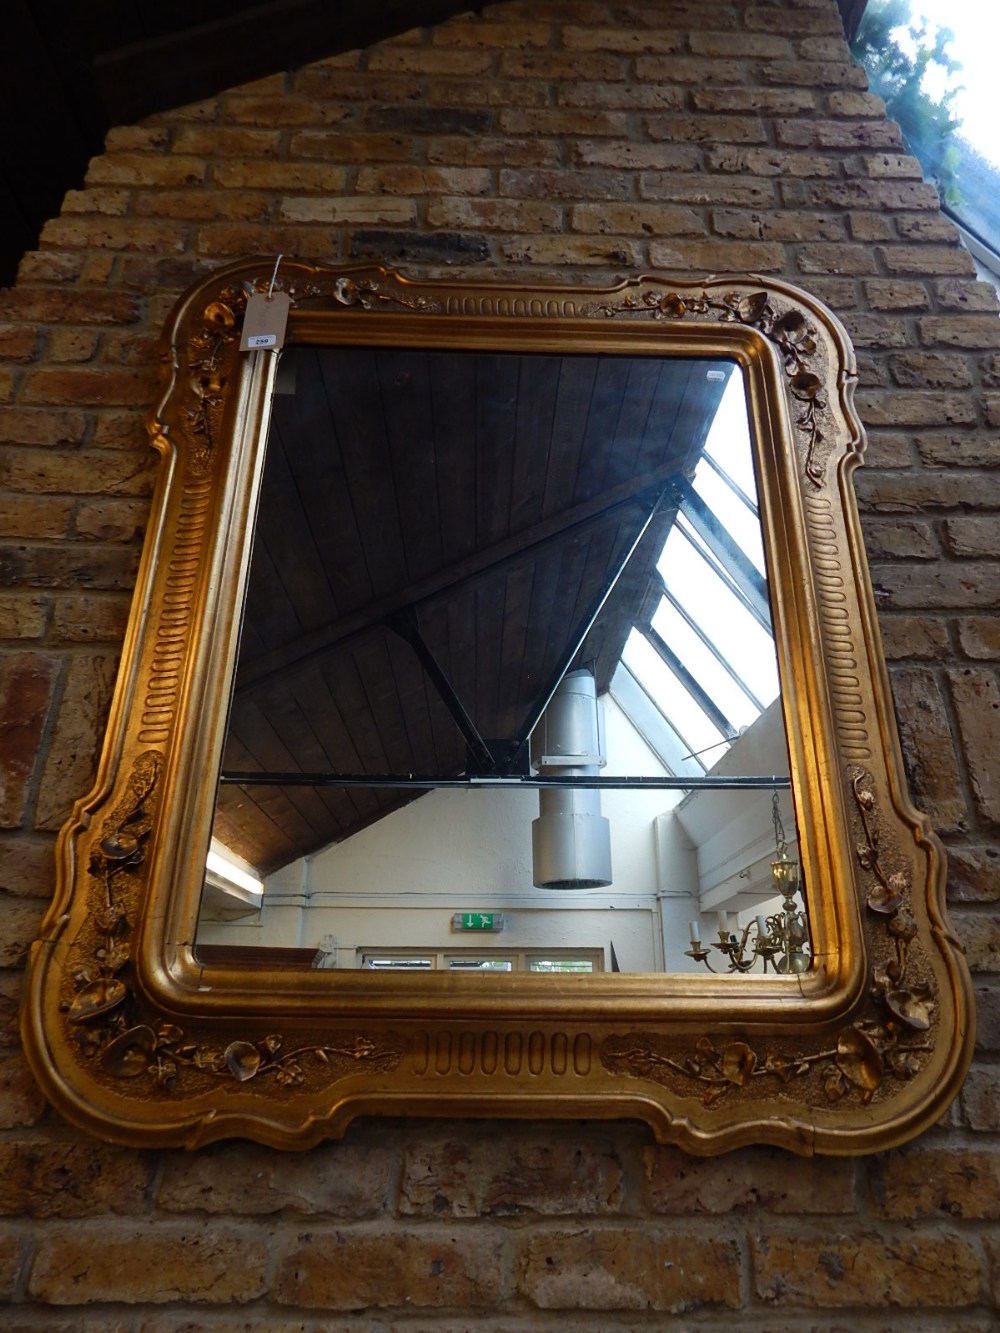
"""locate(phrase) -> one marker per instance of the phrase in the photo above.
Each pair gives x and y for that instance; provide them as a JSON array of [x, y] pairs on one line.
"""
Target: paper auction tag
[[265, 320]]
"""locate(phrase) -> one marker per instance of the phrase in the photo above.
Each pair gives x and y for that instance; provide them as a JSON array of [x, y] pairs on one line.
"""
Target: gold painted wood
[[136, 1041]]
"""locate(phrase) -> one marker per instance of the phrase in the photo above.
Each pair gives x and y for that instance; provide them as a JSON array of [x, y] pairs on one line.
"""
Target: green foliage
[[900, 52]]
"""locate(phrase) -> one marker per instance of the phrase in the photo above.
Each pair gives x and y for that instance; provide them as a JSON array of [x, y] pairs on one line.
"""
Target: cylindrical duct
[[570, 839]]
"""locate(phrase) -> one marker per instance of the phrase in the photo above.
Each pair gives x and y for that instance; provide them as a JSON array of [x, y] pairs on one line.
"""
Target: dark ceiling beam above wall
[[70, 69], [556, 527], [193, 62], [50, 130]]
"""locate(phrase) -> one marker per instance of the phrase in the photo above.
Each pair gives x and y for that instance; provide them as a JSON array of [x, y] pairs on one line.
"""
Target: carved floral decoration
[[884, 1044], [107, 1014], [365, 293], [790, 331], [212, 343], [216, 335], [209, 353]]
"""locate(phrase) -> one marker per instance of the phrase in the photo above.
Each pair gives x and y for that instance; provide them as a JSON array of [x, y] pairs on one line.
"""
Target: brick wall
[[564, 137]]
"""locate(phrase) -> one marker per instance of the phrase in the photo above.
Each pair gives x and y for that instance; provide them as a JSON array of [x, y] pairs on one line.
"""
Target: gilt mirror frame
[[134, 1040]]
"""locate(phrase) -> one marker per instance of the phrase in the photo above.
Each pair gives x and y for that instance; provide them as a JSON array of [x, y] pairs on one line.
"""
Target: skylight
[[704, 660]]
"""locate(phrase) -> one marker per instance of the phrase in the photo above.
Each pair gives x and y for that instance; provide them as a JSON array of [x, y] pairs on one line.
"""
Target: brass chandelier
[[779, 940]]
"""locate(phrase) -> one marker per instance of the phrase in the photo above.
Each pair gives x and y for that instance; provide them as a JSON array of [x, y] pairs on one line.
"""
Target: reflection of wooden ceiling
[[437, 531]]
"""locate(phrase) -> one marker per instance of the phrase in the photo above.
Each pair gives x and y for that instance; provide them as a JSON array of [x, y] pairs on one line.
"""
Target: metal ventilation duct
[[570, 839]]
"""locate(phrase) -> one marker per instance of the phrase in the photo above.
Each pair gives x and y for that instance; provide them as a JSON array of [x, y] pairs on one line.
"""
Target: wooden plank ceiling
[[439, 523], [73, 68]]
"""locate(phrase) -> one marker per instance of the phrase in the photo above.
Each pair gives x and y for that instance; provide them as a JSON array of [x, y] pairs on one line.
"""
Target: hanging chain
[[779, 829]]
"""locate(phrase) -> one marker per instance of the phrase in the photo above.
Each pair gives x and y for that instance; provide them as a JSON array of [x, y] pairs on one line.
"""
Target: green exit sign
[[477, 921]]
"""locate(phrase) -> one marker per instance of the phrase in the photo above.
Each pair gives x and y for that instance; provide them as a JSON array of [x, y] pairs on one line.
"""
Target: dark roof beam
[[196, 62], [404, 624], [578, 636], [578, 517]]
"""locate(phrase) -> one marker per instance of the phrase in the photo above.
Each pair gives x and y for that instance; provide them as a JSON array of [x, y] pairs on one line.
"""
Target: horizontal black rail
[[610, 783]]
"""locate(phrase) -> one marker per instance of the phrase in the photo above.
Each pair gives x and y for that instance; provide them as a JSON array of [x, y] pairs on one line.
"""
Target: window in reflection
[[506, 650], [526, 960]]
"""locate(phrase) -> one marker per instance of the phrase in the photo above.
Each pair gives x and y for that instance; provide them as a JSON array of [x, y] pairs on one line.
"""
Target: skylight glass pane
[[724, 620], [676, 703], [651, 725], [698, 659], [729, 438], [732, 513], [686, 530]]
